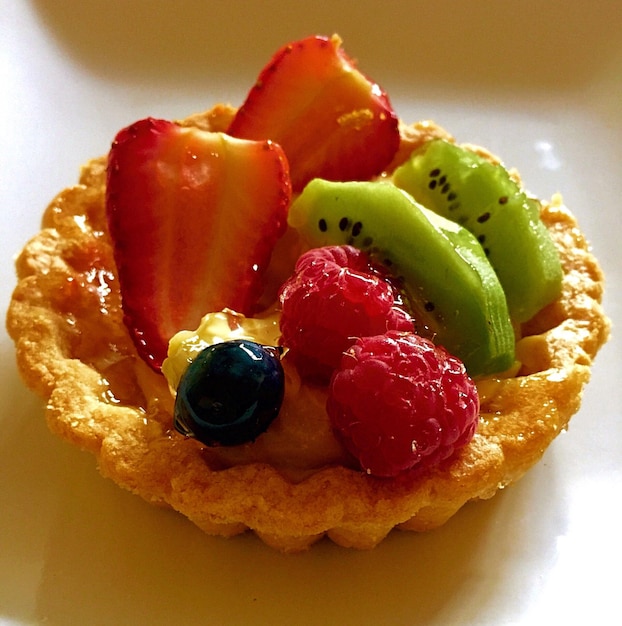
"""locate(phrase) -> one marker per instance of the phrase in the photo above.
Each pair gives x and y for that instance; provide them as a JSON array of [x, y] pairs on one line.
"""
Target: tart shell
[[73, 350]]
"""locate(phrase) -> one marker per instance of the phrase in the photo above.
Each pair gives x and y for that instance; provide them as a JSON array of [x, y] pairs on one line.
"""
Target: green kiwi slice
[[440, 267], [462, 186]]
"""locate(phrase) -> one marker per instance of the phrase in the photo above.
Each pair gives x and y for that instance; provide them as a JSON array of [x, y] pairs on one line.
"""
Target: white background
[[540, 84]]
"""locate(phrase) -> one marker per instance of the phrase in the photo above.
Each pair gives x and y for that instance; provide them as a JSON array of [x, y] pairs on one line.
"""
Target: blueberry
[[230, 393]]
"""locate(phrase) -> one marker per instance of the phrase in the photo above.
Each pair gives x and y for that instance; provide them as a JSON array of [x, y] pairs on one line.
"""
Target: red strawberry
[[331, 120], [193, 217]]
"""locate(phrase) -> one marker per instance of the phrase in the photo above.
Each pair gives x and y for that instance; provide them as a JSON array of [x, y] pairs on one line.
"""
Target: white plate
[[540, 86]]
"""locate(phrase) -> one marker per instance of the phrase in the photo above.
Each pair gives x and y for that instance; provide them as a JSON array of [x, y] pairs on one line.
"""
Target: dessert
[[121, 269]]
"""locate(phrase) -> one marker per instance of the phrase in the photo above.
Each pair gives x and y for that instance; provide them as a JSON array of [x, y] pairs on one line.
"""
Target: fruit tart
[[305, 317]]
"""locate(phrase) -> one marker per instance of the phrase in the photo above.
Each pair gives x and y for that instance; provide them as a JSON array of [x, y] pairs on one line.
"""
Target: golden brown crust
[[104, 399]]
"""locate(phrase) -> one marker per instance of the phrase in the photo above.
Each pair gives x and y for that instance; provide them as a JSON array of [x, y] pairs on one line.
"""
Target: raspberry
[[398, 402], [333, 297]]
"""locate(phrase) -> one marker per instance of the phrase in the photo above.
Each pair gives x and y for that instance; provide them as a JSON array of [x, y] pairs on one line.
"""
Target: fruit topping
[[400, 403], [330, 119], [230, 393], [333, 297], [451, 288], [469, 189], [193, 217]]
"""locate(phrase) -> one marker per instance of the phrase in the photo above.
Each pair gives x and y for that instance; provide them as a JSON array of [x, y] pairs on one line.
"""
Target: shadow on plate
[[486, 45]]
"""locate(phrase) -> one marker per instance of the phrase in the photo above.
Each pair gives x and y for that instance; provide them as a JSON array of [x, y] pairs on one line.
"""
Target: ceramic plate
[[540, 85]]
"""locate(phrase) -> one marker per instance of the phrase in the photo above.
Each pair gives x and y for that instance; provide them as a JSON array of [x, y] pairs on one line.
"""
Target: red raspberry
[[333, 297], [399, 402]]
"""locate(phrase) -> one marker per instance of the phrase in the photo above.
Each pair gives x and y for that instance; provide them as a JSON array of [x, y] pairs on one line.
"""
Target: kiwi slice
[[439, 266], [462, 186]]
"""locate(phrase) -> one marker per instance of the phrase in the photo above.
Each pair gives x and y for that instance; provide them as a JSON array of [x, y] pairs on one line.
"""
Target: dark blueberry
[[230, 393]]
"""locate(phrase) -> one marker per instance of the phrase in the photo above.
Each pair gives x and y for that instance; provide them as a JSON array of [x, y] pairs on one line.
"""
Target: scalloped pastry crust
[[73, 350]]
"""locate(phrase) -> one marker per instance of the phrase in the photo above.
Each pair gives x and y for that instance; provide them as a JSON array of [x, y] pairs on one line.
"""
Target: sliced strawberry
[[330, 119], [193, 217]]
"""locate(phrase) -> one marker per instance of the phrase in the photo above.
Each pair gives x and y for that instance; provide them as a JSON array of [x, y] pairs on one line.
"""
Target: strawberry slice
[[193, 217], [331, 120]]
